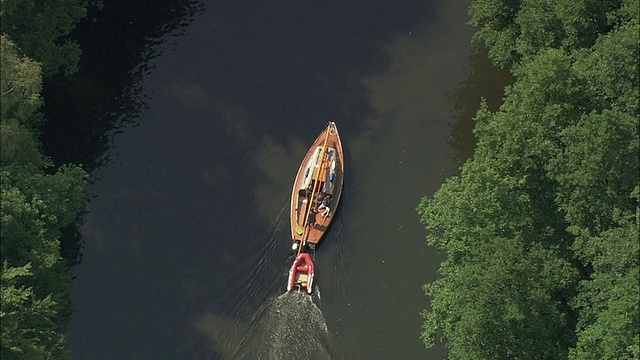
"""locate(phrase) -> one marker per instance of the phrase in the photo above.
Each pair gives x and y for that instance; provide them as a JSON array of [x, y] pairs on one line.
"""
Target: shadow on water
[[283, 65], [118, 42], [483, 80], [290, 326], [85, 110]]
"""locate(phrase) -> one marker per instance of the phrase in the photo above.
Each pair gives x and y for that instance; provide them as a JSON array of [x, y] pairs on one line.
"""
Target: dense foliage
[[41, 29], [37, 201], [541, 225]]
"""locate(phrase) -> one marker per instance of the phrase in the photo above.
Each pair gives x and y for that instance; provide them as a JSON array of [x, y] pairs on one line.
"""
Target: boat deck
[[320, 176]]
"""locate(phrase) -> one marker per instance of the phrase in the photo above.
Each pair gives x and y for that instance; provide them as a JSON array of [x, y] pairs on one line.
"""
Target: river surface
[[193, 118]]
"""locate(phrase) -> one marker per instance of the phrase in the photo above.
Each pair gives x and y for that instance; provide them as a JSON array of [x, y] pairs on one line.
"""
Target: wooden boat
[[318, 185], [301, 274]]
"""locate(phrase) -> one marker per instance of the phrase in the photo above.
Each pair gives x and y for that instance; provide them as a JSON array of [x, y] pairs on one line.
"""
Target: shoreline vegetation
[[38, 198], [540, 227]]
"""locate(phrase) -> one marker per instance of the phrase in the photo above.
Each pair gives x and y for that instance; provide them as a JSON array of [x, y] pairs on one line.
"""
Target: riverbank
[[39, 198], [540, 228]]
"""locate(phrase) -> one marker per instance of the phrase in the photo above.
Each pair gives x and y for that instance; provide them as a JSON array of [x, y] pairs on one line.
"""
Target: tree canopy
[[514, 30], [37, 201], [41, 29], [541, 225]]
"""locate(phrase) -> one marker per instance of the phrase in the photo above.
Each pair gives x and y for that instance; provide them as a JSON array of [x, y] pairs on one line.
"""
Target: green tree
[[595, 167], [502, 293], [36, 301], [41, 29], [34, 207], [29, 326], [514, 30], [608, 300], [20, 86], [496, 28], [521, 316], [540, 228], [18, 146]]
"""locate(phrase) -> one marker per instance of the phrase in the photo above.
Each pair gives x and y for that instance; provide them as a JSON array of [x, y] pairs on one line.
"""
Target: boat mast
[[317, 173]]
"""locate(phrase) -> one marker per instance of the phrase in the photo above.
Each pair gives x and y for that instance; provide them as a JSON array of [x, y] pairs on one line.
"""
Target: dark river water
[[193, 118]]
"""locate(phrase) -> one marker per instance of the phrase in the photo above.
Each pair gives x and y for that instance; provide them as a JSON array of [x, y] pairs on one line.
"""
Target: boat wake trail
[[291, 326]]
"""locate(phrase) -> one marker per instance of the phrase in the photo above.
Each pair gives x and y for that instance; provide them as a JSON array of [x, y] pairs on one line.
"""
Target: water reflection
[[401, 155], [276, 182], [423, 64], [119, 43], [483, 80]]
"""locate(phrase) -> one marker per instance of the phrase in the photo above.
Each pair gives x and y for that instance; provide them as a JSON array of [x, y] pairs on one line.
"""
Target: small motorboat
[[301, 274], [317, 188]]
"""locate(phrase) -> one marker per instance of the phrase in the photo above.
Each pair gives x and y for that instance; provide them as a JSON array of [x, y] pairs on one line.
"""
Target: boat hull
[[320, 177], [301, 273]]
